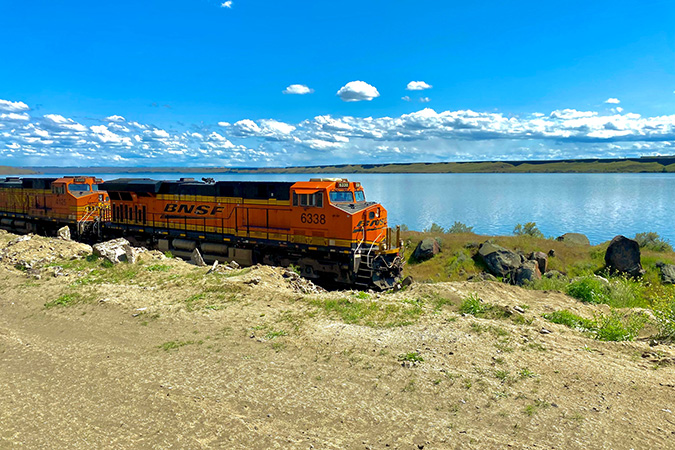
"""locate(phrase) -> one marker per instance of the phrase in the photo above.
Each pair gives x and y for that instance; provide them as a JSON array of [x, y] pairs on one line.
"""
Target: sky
[[248, 83]]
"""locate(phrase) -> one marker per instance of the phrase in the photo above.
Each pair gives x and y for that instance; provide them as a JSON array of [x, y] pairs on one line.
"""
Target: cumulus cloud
[[298, 89], [426, 134], [9, 106], [425, 99], [613, 101], [227, 4], [405, 98], [356, 91], [418, 86]]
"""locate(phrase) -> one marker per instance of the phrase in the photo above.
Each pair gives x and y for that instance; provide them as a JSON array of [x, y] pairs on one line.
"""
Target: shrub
[[589, 290], [664, 311], [434, 228], [616, 328], [459, 227], [652, 241], [529, 229]]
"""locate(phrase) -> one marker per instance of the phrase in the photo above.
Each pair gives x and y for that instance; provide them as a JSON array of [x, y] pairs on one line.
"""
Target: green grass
[[612, 327], [564, 317], [158, 268], [65, 300], [370, 313], [175, 345], [474, 306]]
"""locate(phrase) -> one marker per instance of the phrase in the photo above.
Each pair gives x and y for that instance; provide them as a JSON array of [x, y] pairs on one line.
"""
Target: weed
[[294, 268], [412, 357], [589, 290], [168, 254], [410, 386], [362, 295], [564, 317], [158, 268], [278, 346], [502, 375], [472, 305], [664, 311], [531, 409], [274, 334], [526, 373]]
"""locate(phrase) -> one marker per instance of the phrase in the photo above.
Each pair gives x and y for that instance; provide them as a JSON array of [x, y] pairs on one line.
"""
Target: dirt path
[[268, 368]]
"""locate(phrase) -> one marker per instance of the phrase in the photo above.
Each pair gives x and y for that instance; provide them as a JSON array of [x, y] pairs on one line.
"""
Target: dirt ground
[[163, 355]]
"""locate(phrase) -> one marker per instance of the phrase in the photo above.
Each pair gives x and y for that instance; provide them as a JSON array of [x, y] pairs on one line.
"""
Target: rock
[[26, 237], [112, 250], [499, 260], [527, 273], [196, 258], [545, 331], [519, 309], [234, 264], [623, 256], [667, 273], [132, 253], [64, 233], [542, 260], [426, 249], [553, 274], [213, 267], [483, 276], [551, 253], [574, 238]]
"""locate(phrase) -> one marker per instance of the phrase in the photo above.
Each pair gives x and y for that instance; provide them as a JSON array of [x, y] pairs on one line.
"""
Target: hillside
[[164, 354]]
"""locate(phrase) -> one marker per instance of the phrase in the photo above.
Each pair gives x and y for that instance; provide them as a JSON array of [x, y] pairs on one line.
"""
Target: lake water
[[598, 205]]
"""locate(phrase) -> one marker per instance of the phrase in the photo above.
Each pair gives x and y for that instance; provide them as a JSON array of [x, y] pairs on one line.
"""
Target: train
[[324, 227]]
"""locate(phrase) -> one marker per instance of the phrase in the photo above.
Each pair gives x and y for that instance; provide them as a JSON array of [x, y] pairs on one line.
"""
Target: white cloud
[[405, 98], [227, 4], [14, 116], [418, 86], [613, 101], [9, 106], [298, 89], [356, 91], [114, 119], [425, 99]]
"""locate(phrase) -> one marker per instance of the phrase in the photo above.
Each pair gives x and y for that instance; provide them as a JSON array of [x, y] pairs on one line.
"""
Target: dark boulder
[[667, 273], [542, 260], [526, 273], [574, 238], [623, 256], [499, 260], [426, 249]]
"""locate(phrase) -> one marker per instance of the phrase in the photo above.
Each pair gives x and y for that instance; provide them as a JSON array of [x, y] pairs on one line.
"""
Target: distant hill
[[8, 170], [652, 164]]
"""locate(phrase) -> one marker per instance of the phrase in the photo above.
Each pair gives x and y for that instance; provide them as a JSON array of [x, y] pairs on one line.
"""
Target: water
[[597, 205]]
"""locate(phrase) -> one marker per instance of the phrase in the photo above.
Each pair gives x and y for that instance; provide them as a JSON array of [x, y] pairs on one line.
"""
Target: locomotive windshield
[[79, 187], [341, 197], [360, 196]]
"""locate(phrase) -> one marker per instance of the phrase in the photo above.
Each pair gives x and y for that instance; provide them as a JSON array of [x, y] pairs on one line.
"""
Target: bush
[[664, 311], [616, 328], [529, 229], [472, 305], [589, 290], [434, 228], [652, 241], [459, 227]]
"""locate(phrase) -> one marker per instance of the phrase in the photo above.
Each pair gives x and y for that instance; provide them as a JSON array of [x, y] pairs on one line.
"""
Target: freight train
[[324, 227]]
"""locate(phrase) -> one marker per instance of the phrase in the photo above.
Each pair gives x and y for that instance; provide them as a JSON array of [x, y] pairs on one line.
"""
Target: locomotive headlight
[[377, 214]]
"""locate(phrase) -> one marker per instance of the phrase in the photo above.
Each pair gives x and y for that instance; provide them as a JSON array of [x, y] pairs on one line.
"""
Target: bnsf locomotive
[[324, 226]]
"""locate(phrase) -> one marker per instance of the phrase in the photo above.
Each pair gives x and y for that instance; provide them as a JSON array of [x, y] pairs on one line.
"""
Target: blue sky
[[202, 82]]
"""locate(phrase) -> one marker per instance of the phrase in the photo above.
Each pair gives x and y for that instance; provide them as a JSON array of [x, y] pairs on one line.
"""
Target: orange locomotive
[[43, 205], [324, 226]]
